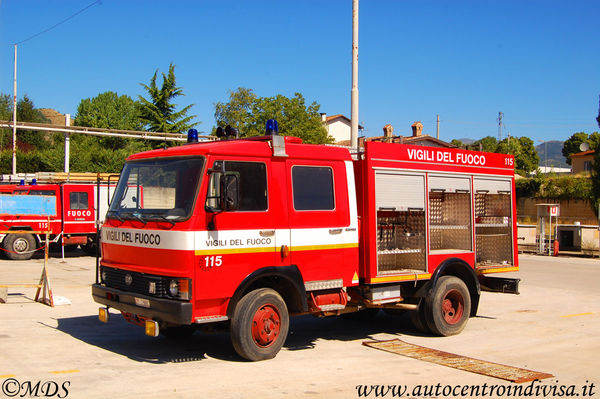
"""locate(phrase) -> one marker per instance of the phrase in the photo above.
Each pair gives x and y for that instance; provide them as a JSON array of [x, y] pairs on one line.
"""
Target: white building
[[339, 127]]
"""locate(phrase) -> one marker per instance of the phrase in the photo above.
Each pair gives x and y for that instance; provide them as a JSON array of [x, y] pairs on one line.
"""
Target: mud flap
[[499, 284]]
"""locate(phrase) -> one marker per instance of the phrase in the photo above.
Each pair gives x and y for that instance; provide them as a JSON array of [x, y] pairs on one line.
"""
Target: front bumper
[[167, 310]]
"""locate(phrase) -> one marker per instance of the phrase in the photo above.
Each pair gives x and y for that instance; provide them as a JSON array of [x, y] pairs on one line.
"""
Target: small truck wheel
[[259, 325], [19, 246], [448, 307]]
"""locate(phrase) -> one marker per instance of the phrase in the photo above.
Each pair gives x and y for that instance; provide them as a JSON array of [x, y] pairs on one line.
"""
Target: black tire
[[89, 248], [19, 246], [417, 317], [448, 307], [259, 325]]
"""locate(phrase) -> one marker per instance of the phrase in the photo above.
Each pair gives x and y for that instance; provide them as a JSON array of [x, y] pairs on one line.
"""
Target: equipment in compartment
[[450, 221], [400, 240], [493, 227]]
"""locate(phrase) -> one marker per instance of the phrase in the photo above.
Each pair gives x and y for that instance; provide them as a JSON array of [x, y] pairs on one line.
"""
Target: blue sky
[[538, 62]]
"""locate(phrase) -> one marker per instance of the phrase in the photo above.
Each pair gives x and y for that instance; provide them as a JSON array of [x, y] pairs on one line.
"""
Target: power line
[[60, 23]]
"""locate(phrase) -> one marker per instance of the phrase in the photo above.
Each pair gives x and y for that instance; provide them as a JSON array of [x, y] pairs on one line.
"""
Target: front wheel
[[259, 325], [19, 246], [448, 307]]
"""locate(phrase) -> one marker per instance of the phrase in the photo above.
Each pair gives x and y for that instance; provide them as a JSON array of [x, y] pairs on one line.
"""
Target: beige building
[[581, 162]]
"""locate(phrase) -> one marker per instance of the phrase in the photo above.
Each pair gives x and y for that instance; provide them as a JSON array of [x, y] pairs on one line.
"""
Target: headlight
[[173, 288]]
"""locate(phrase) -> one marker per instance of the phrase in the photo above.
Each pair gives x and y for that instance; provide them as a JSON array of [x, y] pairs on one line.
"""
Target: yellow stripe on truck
[[222, 251]]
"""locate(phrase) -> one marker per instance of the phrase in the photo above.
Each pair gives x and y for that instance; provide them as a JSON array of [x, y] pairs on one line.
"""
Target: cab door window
[[78, 200], [252, 178], [313, 188]]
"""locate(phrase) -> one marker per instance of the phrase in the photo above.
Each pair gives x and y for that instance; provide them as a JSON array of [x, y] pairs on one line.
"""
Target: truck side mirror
[[230, 192]]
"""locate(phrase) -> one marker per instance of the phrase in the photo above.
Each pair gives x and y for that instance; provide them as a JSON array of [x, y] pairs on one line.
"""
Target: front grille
[[140, 282]]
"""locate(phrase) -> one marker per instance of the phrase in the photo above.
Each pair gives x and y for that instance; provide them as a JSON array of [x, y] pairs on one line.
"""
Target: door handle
[[335, 231], [267, 233]]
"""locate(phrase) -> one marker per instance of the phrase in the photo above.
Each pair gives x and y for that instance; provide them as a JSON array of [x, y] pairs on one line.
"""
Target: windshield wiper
[[136, 216], [115, 215], [163, 218]]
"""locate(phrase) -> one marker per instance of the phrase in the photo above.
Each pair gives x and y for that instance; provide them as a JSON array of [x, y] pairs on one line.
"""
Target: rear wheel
[[259, 325], [448, 307], [417, 317], [19, 246]]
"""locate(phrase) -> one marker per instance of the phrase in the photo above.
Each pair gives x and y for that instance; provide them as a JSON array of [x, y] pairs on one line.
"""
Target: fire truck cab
[[72, 222], [247, 232]]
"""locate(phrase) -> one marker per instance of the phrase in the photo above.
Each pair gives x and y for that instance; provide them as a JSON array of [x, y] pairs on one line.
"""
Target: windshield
[[161, 190]]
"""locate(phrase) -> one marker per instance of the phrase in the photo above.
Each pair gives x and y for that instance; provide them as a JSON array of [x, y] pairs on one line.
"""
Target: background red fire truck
[[72, 222], [247, 232]]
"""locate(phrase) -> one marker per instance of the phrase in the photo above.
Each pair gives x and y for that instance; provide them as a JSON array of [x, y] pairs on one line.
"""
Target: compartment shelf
[[448, 227], [399, 251]]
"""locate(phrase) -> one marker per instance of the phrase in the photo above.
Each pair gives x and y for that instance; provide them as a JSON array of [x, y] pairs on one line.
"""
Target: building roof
[[583, 153], [414, 140], [332, 118]]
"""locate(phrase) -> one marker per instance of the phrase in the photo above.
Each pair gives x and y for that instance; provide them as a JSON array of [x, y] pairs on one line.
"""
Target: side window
[[78, 200], [252, 178], [313, 188]]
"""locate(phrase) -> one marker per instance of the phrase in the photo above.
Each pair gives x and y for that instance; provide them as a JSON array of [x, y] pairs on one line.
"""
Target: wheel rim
[[20, 245], [453, 307], [266, 325]]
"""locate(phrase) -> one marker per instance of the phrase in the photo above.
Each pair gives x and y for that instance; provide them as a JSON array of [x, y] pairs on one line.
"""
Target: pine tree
[[158, 112]]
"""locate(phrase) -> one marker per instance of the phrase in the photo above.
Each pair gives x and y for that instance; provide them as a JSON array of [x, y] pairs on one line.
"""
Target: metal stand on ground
[[44, 284], [43, 287]]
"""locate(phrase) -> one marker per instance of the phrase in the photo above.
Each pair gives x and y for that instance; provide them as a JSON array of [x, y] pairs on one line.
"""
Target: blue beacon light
[[272, 128], [192, 136]]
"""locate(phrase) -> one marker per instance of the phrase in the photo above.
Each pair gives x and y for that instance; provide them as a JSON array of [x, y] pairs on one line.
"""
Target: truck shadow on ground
[[128, 340]]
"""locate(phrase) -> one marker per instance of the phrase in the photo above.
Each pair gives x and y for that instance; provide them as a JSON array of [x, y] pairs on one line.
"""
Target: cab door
[[78, 212], [243, 239], [323, 241]]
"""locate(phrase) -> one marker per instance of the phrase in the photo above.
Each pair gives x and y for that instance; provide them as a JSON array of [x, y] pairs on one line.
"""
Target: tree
[[523, 149], [572, 145], [238, 111], [26, 112], [488, 144], [108, 110], [598, 117], [249, 113], [158, 113], [457, 143]]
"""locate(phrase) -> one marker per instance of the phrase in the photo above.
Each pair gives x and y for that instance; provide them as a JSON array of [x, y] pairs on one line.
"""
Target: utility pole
[[500, 115], [14, 149], [437, 129], [354, 92]]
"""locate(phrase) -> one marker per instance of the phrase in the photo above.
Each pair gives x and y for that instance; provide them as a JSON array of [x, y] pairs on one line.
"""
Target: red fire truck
[[72, 223], [246, 232]]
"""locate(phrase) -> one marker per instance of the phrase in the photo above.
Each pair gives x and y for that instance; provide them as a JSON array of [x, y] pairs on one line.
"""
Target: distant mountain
[[467, 141], [554, 157]]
